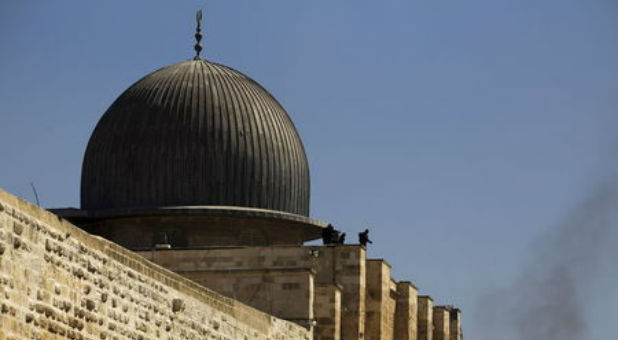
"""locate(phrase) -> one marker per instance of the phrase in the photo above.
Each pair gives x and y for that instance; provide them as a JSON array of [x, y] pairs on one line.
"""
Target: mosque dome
[[195, 133]]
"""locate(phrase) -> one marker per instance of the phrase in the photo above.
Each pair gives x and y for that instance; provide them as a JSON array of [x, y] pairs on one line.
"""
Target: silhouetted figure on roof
[[363, 238], [330, 235], [327, 234]]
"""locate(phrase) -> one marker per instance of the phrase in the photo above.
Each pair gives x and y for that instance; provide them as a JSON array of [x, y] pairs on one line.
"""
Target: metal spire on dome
[[198, 35]]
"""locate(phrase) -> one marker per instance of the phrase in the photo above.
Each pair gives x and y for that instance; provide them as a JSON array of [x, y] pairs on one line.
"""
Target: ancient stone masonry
[[380, 308], [441, 323], [327, 309], [425, 317], [406, 324], [58, 282], [454, 323], [353, 297], [342, 265]]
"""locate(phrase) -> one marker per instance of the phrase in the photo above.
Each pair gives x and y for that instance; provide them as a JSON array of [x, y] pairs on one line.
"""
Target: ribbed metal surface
[[196, 133]]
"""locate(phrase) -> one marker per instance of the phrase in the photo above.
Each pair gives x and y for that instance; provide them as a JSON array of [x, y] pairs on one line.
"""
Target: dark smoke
[[548, 300]]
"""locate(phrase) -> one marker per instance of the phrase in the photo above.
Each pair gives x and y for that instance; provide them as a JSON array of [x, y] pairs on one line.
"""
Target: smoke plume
[[547, 301]]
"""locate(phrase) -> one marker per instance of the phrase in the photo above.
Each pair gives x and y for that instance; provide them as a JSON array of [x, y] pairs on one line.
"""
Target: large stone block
[[287, 293]]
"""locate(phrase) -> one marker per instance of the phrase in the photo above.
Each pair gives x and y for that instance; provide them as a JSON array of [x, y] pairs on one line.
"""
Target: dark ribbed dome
[[195, 133]]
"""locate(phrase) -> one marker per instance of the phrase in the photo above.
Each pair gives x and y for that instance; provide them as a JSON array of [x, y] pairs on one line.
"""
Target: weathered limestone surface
[[425, 317], [287, 294], [406, 311], [381, 294], [346, 265], [455, 324], [343, 265], [441, 323], [327, 309], [58, 282]]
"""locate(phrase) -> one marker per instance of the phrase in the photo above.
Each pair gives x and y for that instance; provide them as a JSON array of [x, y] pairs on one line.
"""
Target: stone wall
[[58, 282], [441, 323], [381, 291], [390, 307], [284, 293], [327, 310], [343, 265], [425, 317], [455, 324], [406, 311]]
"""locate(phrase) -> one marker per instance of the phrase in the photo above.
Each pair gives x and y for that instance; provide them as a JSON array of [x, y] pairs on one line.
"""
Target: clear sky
[[477, 140]]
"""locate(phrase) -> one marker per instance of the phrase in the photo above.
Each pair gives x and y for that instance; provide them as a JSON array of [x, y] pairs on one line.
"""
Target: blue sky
[[462, 133]]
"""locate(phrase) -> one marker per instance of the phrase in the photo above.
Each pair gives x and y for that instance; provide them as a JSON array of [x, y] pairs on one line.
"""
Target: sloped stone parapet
[[59, 282]]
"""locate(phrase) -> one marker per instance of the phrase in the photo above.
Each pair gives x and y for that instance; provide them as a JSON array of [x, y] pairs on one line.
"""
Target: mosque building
[[196, 168]]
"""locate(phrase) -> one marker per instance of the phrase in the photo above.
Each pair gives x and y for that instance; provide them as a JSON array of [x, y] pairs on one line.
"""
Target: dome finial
[[198, 35]]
